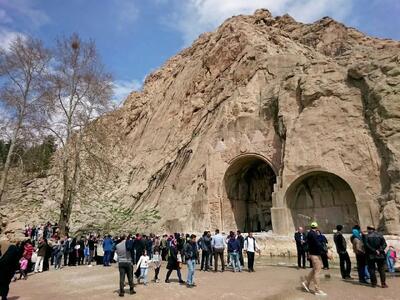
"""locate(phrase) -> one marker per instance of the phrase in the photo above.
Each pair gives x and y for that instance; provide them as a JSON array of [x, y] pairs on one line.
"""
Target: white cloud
[[197, 16], [122, 88], [26, 9], [126, 13], [7, 36]]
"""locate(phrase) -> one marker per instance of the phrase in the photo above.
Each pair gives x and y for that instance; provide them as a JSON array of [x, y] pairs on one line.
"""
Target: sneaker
[[320, 293], [305, 286], [384, 285]]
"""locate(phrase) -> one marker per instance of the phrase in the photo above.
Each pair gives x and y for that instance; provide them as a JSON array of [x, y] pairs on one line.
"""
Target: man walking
[[218, 245], [125, 266], [300, 239], [190, 251], [314, 249], [233, 249], [375, 246], [41, 255], [341, 248], [240, 238], [204, 244], [107, 247], [250, 247], [91, 250]]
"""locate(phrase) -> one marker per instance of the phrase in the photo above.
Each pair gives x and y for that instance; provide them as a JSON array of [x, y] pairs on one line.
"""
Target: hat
[[314, 225], [370, 227]]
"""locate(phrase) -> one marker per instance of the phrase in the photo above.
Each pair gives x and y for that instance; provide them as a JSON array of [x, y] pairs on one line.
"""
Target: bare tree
[[81, 92], [23, 67]]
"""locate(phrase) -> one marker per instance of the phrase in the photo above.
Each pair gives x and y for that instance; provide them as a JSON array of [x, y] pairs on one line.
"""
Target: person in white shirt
[[250, 247], [143, 264], [218, 246], [157, 263]]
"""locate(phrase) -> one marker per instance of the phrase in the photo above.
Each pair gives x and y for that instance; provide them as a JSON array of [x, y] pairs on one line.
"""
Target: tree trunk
[[8, 163], [70, 187], [64, 217]]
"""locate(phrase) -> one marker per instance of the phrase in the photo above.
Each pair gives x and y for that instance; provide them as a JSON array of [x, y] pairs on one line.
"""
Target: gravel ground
[[268, 282]]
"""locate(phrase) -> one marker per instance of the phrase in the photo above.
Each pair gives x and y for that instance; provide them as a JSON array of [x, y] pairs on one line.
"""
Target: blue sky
[[135, 37]]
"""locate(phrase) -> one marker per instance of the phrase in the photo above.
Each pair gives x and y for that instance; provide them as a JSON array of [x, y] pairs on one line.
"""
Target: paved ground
[[267, 283]]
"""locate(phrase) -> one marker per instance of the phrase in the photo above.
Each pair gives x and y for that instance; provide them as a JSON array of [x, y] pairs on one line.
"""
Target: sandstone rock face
[[264, 124]]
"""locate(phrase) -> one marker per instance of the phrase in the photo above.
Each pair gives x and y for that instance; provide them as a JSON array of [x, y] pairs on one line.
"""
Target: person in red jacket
[[28, 251]]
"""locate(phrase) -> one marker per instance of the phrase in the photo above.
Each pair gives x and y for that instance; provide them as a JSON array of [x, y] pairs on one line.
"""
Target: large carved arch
[[324, 197], [248, 184]]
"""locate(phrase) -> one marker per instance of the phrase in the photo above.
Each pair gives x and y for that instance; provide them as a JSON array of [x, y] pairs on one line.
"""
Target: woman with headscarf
[[359, 251], [9, 263], [173, 263]]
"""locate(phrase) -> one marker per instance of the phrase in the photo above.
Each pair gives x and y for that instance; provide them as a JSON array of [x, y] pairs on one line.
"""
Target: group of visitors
[[134, 258], [136, 253], [369, 248], [44, 248]]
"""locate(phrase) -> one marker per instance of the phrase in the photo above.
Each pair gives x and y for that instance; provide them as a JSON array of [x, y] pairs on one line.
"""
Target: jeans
[[178, 272], [143, 274], [204, 260], [316, 269], [191, 265], [39, 264], [325, 261], [345, 265], [390, 263], [91, 256], [57, 263], [65, 258], [301, 257], [156, 272], [372, 263], [219, 253], [235, 261], [361, 263], [125, 268], [250, 260], [106, 258], [241, 258]]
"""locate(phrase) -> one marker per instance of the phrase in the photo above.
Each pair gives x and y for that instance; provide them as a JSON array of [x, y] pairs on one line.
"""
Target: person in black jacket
[[139, 246], [204, 244], [341, 248], [241, 241], [173, 263], [9, 263], [301, 245], [314, 249], [375, 246]]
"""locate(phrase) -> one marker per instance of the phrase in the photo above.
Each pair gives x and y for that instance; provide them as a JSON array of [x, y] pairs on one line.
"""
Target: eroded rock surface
[[302, 97]]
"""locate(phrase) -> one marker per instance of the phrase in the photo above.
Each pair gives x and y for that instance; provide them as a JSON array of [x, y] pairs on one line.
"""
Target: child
[[23, 267], [391, 259], [143, 264], [157, 263]]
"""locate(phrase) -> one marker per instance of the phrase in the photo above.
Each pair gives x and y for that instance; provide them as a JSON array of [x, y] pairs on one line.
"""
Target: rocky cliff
[[318, 96]]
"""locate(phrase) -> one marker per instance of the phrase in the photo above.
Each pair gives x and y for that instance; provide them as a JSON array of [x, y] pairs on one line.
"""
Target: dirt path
[[269, 282]]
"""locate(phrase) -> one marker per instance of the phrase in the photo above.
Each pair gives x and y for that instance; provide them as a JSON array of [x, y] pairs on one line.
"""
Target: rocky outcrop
[[302, 97]]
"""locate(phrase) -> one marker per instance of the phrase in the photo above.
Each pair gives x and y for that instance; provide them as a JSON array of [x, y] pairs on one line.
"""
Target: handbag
[[329, 254], [34, 257]]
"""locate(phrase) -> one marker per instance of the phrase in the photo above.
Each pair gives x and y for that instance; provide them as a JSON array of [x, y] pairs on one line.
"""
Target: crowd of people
[[44, 248], [370, 249], [134, 254]]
